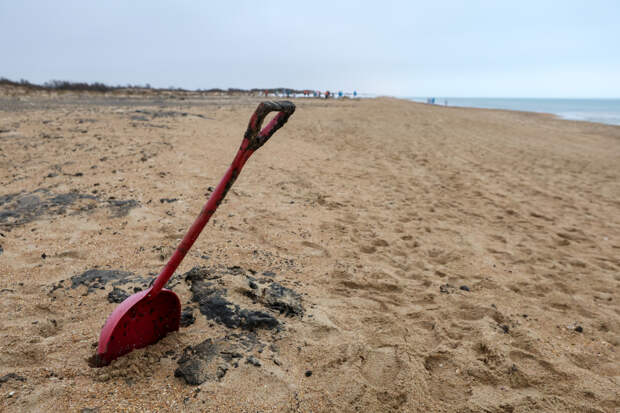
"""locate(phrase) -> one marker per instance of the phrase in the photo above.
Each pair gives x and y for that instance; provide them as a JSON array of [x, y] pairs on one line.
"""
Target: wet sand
[[404, 257]]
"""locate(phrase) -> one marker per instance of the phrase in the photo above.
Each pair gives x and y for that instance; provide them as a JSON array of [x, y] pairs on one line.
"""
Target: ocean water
[[591, 110]]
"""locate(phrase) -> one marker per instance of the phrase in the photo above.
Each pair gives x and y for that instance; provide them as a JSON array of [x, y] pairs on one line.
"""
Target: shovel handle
[[253, 139], [256, 137]]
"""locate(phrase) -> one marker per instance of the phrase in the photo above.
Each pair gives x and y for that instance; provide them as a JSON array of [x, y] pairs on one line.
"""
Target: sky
[[401, 48]]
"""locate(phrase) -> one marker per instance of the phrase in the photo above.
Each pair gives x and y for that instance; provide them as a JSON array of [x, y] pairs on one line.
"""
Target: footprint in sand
[[49, 328], [444, 379], [534, 368], [380, 243], [368, 249], [372, 247], [314, 249], [383, 368]]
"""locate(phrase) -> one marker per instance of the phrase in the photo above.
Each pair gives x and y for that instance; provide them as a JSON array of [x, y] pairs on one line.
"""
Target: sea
[[590, 110]]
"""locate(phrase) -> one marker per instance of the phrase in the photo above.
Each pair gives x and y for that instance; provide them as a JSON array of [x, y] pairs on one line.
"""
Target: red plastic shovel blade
[[137, 322]]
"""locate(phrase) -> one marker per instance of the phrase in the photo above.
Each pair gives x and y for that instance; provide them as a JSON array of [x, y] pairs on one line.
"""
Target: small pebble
[[187, 317], [579, 329], [464, 288], [253, 361], [308, 373]]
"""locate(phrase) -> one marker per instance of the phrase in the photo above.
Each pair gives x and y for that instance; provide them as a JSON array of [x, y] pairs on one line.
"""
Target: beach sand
[[432, 259]]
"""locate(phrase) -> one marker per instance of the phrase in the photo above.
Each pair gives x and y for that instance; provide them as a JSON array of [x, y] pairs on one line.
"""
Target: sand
[[446, 259]]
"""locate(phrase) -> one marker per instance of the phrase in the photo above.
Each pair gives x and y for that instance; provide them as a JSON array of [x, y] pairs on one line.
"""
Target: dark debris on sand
[[124, 283], [97, 279], [163, 114], [187, 317], [120, 208], [447, 289], [11, 376], [277, 297], [117, 295], [211, 359], [213, 304], [210, 287], [24, 207], [238, 299]]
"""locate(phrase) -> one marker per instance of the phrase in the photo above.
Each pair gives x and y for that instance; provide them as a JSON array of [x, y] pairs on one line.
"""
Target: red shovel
[[149, 315]]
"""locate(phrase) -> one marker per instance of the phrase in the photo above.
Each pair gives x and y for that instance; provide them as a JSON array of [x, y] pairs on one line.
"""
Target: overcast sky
[[450, 48]]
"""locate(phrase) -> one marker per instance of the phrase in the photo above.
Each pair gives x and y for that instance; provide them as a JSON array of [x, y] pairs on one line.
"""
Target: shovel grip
[[256, 137]]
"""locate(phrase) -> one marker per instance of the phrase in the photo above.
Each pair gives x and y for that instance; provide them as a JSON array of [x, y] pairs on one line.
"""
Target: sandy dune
[[435, 259]]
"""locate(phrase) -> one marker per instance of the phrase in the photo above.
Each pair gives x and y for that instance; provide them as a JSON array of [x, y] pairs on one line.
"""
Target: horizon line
[[49, 85]]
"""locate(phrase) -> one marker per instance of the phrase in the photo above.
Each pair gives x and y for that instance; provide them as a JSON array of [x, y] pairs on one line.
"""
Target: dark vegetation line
[[102, 87]]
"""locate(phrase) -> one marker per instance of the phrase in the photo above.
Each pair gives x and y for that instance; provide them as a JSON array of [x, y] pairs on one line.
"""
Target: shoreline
[[562, 114]]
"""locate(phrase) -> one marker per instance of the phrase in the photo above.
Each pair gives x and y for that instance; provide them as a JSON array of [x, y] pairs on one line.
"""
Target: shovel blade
[[137, 322]]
